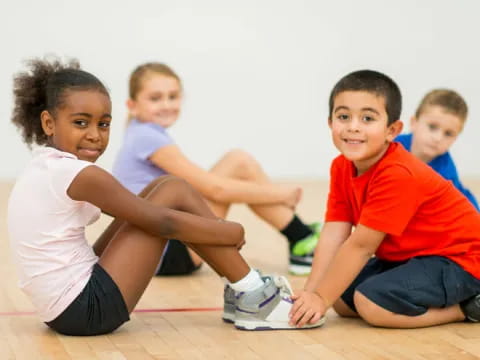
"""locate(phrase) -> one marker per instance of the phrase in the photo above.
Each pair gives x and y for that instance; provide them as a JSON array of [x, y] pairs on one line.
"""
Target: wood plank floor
[[201, 334]]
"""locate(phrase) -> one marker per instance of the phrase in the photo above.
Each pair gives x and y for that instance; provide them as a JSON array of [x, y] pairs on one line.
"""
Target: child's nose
[[437, 136], [93, 133], [354, 124]]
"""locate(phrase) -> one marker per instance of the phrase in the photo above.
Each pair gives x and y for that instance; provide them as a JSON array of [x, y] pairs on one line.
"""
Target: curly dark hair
[[43, 87], [373, 82]]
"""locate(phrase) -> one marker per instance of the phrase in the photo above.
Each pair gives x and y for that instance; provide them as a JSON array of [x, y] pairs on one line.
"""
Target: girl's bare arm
[[218, 188], [101, 189]]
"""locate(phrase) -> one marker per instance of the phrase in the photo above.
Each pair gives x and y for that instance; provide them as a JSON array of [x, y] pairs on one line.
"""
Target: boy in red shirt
[[424, 232]]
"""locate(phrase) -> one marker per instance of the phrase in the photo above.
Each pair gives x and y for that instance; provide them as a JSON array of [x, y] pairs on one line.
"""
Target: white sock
[[250, 282]]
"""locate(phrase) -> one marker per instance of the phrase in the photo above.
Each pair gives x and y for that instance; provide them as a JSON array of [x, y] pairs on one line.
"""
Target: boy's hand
[[308, 307]]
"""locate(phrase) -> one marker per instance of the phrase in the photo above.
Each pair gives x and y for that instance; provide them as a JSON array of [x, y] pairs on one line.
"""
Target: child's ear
[[413, 122], [394, 130], [131, 107], [48, 123]]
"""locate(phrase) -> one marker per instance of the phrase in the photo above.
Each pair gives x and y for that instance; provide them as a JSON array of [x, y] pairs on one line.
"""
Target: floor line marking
[[153, 310]]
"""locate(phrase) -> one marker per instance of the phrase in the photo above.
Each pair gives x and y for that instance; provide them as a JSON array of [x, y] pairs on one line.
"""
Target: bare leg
[[131, 255], [108, 233], [343, 309], [378, 316], [240, 165]]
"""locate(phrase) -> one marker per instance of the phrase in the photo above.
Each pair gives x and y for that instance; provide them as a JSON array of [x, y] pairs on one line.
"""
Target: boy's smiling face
[[359, 127]]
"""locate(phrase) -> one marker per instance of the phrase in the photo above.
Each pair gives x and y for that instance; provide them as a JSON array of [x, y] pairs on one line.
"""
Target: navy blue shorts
[[98, 309], [412, 287]]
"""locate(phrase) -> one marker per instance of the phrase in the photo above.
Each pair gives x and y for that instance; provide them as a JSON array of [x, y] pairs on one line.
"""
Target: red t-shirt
[[421, 212]]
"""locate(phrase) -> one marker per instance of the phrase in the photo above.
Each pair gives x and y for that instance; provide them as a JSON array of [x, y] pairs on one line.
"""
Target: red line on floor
[[23, 313]]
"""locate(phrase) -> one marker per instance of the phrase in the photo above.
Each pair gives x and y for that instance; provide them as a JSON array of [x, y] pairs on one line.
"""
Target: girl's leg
[[132, 255], [238, 164], [378, 316], [108, 233]]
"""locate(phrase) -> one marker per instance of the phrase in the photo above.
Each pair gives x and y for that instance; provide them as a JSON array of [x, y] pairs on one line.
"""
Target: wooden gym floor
[[159, 330]]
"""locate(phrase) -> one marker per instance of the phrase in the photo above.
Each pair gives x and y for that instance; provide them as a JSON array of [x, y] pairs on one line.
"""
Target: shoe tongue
[[283, 284]]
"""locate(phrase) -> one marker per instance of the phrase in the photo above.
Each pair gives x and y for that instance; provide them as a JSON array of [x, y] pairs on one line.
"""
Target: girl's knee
[[369, 311], [168, 185], [242, 160]]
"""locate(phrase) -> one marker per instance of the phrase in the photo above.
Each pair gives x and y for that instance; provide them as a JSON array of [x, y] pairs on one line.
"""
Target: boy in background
[[438, 121]]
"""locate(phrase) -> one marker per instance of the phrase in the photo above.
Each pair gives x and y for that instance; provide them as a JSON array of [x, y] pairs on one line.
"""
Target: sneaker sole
[[273, 325], [299, 270], [228, 318]]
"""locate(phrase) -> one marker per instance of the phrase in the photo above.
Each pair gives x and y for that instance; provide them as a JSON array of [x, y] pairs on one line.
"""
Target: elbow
[[167, 226], [363, 247]]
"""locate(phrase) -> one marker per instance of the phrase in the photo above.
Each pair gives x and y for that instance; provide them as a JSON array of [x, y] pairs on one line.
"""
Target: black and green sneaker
[[301, 254]]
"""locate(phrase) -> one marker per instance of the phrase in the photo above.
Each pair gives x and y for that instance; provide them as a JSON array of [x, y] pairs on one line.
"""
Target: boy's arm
[[332, 236], [345, 266]]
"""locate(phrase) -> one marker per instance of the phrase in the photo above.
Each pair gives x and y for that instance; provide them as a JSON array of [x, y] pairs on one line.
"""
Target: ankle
[[250, 282]]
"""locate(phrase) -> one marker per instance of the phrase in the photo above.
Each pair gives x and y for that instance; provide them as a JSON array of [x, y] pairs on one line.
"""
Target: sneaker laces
[[283, 284]]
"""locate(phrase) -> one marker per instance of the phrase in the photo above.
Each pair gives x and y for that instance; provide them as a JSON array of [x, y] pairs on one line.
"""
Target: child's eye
[[432, 126], [104, 125], [155, 98], [173, 96], [449, 134], [342, 117], [80, 123], [368, 118]]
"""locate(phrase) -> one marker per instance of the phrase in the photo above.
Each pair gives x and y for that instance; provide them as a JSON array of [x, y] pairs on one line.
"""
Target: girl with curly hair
[[80, 289]]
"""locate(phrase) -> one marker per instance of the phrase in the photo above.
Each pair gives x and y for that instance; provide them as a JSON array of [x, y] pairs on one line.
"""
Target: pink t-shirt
[[47, 232]]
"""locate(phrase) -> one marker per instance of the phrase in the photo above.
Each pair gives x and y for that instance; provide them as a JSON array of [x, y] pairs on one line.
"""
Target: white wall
[[257, 74]]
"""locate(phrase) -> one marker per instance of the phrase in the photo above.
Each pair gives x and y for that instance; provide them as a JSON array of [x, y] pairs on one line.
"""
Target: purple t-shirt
[[132, 166]]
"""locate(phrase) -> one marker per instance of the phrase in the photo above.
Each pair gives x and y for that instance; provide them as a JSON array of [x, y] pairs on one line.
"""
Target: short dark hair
[[43, 87], [372, 82]]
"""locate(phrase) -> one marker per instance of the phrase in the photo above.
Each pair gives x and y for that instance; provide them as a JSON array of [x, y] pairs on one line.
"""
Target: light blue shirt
[[132, 166]]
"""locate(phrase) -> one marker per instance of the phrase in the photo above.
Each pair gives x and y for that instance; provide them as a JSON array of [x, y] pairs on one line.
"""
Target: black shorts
[[412, 287], [98, 309], [176, 260]]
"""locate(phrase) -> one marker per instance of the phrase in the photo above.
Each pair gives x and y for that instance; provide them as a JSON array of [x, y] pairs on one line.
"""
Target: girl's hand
[[308, 307], [240, 245]]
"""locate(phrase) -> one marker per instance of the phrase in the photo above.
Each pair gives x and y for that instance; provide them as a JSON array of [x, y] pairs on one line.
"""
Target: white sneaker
[[267, 307]]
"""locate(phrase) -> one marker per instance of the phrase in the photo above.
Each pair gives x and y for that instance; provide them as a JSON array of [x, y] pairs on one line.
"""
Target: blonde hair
[[448, 99], [144, 70]]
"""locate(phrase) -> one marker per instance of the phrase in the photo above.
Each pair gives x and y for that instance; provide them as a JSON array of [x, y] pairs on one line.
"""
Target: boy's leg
[[345, 305], [379, 316], [132, 255], [424, 291]]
